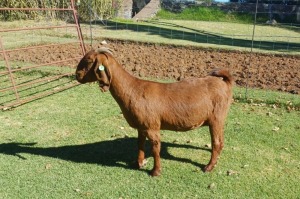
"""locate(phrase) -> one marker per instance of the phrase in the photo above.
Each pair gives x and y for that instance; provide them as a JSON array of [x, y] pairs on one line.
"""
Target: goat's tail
[[225, 74]]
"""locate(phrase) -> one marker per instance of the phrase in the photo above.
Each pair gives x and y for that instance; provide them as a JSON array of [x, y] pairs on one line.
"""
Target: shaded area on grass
[[112, 153]]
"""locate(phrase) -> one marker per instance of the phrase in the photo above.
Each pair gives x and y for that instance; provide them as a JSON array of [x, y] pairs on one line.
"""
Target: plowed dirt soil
[[273, 72]]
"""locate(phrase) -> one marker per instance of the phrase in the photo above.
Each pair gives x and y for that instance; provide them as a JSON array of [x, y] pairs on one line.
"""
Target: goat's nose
[[78, 77]]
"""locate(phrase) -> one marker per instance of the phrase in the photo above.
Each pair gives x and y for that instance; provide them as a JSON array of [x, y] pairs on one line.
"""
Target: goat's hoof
[[139, 165], [155, 172], [208, 168], [142, 164]]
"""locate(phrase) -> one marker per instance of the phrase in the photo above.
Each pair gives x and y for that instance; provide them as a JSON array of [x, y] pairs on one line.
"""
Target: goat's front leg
[[141, 147], [154, 138]]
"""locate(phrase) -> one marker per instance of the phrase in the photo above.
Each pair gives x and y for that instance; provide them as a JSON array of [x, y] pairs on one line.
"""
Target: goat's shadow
[[120, 152]]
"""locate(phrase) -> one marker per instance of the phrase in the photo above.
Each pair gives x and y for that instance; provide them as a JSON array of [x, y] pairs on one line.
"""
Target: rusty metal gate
[[37, 57]]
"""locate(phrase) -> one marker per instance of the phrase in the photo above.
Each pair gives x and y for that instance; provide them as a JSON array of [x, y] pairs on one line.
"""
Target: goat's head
[[93, 67]]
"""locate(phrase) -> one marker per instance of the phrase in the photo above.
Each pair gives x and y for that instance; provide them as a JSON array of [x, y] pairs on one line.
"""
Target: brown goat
[[151, 106]]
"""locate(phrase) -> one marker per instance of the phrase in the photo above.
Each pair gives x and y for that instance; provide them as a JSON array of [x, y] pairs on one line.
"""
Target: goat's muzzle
[[80, 77]]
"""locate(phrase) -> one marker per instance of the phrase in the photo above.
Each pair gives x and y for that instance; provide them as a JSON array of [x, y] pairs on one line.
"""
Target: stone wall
[[125, 9], [129, 8]]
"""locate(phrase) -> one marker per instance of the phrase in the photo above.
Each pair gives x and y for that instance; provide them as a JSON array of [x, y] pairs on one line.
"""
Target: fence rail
[[23, 80]]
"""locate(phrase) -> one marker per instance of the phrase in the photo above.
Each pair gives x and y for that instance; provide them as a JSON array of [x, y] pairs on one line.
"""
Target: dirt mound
[[274, 72]]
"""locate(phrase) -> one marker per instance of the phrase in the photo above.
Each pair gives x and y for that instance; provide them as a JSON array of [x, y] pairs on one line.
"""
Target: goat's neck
[[122, 85]]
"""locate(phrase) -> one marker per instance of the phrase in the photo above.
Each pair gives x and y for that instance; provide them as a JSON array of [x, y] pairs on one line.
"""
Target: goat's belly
[[181, 126]]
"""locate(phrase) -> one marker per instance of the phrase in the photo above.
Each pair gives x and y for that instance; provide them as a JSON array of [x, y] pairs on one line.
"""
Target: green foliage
[[17, 15], [103, 8], [86, 9], [206, 14], [216, 14]]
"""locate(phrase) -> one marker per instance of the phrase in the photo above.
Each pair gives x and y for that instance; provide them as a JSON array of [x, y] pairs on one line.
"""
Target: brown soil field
[[273, 72]]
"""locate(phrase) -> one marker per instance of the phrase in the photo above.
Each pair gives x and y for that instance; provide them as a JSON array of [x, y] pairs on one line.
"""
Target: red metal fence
[[33, 62]]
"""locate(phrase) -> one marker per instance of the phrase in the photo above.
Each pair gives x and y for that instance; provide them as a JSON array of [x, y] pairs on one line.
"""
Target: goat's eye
[[89, 65]]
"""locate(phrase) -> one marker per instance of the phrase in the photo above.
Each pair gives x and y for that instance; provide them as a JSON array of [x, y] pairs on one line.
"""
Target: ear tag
[[101, 67]]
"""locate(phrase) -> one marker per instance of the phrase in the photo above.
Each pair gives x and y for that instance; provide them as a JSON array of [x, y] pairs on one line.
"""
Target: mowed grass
[[34, 37], [76, 144]]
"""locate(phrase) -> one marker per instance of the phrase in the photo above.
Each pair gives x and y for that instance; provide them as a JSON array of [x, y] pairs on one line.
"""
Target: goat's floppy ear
[[103, 76]]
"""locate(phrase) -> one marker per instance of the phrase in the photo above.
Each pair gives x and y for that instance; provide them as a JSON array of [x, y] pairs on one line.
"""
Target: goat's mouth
[[80, 78]]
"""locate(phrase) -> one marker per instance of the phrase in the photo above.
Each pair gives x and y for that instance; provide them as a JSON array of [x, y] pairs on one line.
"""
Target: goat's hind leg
[[154, 138], [217, 142]]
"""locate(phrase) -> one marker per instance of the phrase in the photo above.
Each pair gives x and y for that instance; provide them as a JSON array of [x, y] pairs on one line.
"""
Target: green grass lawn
[[25, 38], [76, 144]]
